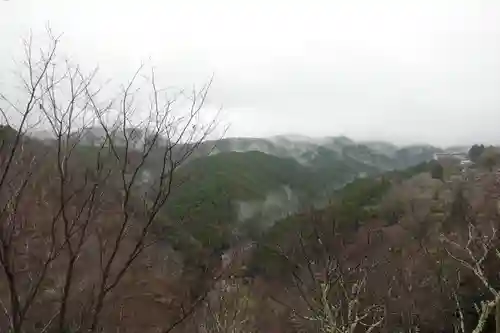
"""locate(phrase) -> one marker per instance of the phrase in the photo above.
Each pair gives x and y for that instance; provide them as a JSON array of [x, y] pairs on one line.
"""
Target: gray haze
[[404, 71]]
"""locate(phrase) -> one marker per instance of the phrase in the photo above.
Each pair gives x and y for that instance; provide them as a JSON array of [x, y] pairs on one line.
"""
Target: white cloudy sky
[[399, 70]]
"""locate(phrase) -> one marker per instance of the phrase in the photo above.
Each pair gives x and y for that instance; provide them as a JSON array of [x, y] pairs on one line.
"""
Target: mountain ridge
[[305, 150]]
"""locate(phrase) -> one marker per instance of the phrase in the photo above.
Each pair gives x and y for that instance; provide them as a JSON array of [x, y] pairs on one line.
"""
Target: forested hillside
[[381, 247], [248, 190], [408, 250]]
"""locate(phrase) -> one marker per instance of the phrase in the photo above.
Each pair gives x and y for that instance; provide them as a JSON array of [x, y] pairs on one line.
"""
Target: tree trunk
[[497, 318]]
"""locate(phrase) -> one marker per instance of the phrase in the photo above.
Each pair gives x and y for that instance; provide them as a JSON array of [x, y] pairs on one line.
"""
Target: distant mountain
[[42, 135], [307, 151], [236, 183], [95, 136], [457, 149], [382, 147]]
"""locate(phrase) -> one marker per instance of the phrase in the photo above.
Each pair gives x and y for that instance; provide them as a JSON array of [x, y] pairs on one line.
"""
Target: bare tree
[[342, 310], [229, 309], [332, 291], [77, 211], [472, 254]]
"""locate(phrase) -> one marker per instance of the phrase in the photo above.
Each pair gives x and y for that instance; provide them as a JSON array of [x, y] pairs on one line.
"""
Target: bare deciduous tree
[[229, 309], [332, 291], [472, 253], [77, 210], [342, 310]]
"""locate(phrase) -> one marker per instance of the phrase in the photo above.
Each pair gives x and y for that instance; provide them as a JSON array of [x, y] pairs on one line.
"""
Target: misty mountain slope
[[308, 151], [260, 180], [413, 155], [223, 178], [365, 155], [263, 179], [212, 183], [305, 150], [382, 147], [277, 146], [221, 191]]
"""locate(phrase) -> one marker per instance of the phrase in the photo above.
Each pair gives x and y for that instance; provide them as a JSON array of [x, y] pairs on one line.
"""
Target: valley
[[257, 181]]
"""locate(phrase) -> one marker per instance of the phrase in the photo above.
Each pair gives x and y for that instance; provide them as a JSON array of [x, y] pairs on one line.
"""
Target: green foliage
[[356, 196], [475, 152], [7, 133], [437, 171], [204, 202], [207, 188], [210, 183]]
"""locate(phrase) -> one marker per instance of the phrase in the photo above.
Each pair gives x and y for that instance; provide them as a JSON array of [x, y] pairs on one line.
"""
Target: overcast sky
[[403, 70]]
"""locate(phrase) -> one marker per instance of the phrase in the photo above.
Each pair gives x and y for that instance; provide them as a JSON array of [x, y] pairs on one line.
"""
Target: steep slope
[[221, 191], [258, 181], [218, 179], [391, 224], [363, 154], [213, 187]]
